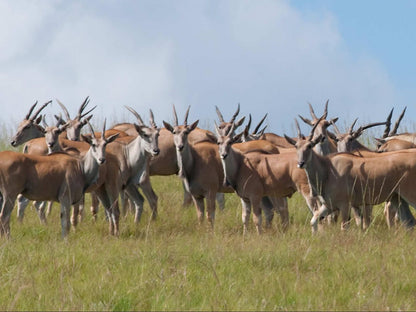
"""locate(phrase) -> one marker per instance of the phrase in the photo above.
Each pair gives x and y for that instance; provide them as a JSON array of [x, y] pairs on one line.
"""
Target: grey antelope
[[133, 156], [199, 167], [57, 177], [256, 174], [345, 180], [348, 142]]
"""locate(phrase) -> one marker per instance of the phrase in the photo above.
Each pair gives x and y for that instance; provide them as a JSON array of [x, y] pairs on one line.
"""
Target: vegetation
[[175, 264]]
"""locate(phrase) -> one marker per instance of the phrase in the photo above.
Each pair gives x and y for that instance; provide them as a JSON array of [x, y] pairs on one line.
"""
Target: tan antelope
[[29, 128], [77, 149], [31, 133], [391, 141], [256, 174], [348, 142], [328, 144], [252, 143], [199, 167], [345, 180], [165, 163], [127, 167], [57, 177]]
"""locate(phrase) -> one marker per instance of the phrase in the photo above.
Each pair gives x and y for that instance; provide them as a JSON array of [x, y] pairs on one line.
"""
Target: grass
[[175, 264]]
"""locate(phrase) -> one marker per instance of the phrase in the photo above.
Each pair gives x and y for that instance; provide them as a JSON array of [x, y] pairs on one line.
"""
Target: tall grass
[[175, 264]]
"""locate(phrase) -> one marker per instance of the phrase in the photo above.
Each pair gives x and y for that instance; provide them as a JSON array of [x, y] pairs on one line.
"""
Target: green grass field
[[175, 264]]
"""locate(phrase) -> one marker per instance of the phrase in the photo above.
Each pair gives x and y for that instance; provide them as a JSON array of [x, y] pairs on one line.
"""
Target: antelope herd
[[334, 172]]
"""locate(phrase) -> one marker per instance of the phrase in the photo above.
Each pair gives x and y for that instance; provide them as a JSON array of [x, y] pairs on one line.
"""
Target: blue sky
[[270, 56], [384, 29]]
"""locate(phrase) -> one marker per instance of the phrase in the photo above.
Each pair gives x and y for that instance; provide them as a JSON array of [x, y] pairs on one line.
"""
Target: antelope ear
[[380, 141], [290, 140], [168, 126], [332, 136], [59, 119], [239, 123], [39, 119], [139, 129], [193, 126], [237, 138], [86, 138], [111, 138], [211, 136]]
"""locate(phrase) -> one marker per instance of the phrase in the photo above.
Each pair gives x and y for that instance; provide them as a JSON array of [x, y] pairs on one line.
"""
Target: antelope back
[[394, 145]]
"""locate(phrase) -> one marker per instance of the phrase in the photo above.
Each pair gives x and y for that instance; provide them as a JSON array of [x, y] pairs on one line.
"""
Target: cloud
[[266, 55]]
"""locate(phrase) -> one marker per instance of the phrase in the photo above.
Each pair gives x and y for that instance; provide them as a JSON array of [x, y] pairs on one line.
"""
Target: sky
[[269, 56]]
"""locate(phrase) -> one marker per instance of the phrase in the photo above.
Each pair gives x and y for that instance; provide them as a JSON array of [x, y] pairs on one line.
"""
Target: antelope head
[[304, 146], [321, 125], [225, 141], [180, 133], [347, 142], [149, 135], [52, 135], [387, 133], [97, 145], [224, 127], [75, 125], [29, 128], [256, 134]]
